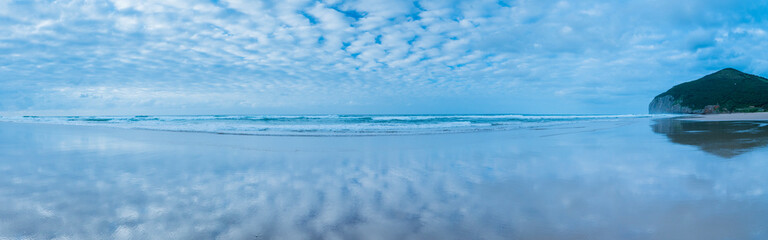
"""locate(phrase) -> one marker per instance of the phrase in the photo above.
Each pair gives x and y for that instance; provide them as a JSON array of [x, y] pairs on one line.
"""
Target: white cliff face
[[666, 104]]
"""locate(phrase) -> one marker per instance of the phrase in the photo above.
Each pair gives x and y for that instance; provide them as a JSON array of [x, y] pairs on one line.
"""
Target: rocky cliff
[[727, 90]]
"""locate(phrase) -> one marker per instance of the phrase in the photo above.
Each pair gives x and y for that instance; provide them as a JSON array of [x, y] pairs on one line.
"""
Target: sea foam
[[324, 125]]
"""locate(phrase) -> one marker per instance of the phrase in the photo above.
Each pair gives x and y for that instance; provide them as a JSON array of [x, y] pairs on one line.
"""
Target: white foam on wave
[[323, 124], [430, 117], [510, 116], [405, 118]]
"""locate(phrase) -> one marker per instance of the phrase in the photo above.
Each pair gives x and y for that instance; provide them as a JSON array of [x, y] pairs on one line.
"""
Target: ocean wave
[[323, 125], [510, 117]]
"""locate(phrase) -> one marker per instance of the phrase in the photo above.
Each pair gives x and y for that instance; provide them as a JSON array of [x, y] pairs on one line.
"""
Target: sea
[[327, 125], [501, 176]]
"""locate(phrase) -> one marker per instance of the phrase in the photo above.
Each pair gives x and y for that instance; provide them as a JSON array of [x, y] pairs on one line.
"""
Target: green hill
[[727, 90]]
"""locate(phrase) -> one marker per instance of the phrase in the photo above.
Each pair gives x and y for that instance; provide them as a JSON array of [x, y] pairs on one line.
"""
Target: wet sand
[[762, 116], [623, 179]]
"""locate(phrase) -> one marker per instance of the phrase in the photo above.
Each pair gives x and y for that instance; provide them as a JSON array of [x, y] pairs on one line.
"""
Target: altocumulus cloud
[[198, 56]]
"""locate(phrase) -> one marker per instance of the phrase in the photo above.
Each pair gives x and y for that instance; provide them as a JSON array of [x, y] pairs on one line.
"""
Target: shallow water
[[724, 139], [622, 179]]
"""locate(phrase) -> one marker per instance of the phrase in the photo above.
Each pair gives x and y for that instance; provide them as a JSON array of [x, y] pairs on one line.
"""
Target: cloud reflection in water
[[510, 185]]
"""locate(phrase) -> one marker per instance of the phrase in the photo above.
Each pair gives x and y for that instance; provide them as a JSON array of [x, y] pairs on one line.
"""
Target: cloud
[[333, 52]]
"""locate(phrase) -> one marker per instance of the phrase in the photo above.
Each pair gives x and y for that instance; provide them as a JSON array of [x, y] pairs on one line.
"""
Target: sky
[[371, 57]]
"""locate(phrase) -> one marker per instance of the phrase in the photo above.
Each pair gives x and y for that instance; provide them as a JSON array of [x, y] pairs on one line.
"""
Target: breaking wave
[[324, 125]]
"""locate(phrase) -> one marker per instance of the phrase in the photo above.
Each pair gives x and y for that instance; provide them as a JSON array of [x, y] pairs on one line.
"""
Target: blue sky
[[296, 56]]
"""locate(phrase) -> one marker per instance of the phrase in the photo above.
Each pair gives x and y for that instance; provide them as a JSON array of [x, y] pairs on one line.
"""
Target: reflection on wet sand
[[724, 139], [581, 181]]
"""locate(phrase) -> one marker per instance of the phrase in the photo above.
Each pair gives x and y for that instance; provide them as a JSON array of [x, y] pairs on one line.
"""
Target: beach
[[759, 116], [637, 178]]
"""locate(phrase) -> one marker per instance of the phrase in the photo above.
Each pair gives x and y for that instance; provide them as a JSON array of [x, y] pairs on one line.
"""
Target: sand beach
[[761, 116], [615, 179]]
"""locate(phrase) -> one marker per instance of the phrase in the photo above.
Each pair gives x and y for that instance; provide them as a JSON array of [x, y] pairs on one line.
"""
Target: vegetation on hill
[[727, 90]]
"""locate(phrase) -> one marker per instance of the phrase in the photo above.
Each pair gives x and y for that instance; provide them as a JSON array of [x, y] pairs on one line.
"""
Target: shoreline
[[758, 116], [335, 126]]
